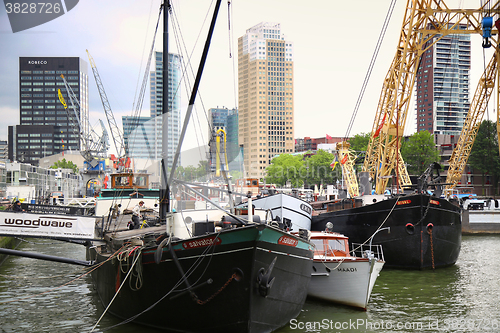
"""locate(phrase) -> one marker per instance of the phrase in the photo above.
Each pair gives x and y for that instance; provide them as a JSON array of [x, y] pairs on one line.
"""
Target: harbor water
[[41, 296]]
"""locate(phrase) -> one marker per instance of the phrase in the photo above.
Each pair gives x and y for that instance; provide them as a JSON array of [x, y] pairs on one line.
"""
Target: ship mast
[[164, 190], [165, 193]]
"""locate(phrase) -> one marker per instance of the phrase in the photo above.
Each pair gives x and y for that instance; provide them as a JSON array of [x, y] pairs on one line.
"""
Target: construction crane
[[424, 23], [115, 131], [461, 152], [346, 159], [93, 145]]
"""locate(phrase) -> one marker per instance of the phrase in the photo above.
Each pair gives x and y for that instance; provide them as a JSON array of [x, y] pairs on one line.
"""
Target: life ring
[[470, 196]]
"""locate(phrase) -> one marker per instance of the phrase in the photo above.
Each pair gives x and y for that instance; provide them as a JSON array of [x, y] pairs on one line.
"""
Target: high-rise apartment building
[[442, 85], [46, 127], [143, 135], [265, 96]]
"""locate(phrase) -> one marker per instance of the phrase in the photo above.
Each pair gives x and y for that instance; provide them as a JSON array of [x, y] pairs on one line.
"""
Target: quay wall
[[8, 243], [480, 222]]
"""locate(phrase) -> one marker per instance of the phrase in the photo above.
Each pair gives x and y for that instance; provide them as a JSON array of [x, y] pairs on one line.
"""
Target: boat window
[[122, 181], [336, 244], [140, 181], [318, 245]]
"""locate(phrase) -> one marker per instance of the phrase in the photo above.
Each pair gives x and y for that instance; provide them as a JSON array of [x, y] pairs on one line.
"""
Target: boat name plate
[[285, 240], [201, 242]]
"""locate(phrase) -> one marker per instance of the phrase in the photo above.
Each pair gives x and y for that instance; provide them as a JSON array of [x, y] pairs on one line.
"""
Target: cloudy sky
[[333, 44]]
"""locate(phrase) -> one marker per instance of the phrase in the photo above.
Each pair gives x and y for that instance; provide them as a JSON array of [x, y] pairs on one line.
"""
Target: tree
[[65, 165], [318, 169], [359, 142], [419, 151], [286, 167], [484, 153], [202, 171]]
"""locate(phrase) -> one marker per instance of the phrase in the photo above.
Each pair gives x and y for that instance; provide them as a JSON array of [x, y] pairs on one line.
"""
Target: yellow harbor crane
[[424, 23]]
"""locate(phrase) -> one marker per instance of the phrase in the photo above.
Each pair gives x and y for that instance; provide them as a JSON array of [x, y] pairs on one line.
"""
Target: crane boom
[[346, 159], [461, 153], [425, 22], [92, 145], [115, 131]]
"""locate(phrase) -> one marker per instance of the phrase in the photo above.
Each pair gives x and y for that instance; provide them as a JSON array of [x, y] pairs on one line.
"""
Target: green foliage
[[235, 174], [419, 151], [318, 169], [359, 142], [65, 165], [312, 170], [286, 167], [191, 173], [484, 155]]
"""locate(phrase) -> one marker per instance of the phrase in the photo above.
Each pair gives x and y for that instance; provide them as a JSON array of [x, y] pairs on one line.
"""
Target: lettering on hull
[[289, 241]]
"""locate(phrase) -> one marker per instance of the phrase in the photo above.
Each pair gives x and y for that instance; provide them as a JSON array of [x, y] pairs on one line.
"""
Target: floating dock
[[480, 222]]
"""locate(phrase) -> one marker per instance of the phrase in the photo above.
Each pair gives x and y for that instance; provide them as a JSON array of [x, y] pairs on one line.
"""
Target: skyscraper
[[46, 127], [442, 85], [265, 86], [144, 134]]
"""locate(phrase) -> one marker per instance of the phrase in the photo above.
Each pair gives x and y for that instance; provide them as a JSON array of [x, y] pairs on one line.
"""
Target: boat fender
[[429, 227], [410, 229], [159, 249]]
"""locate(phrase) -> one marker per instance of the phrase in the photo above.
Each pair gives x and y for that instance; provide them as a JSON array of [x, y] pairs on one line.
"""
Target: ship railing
[[80, 202], [367, 251]]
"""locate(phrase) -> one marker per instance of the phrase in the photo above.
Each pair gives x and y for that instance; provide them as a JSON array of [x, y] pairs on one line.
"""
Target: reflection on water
[[461, 298]]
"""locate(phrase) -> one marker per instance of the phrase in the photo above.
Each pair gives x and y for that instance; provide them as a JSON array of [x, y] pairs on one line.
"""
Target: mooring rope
[[65, 284], [116, 294]]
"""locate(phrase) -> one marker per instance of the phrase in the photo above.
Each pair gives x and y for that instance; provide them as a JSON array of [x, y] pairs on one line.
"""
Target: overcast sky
[[333, 44]]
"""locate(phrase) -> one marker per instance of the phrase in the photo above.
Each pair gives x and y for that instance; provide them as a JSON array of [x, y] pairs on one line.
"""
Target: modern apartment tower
[[265, 96], [143, 135], [46, 127], [442, 85]]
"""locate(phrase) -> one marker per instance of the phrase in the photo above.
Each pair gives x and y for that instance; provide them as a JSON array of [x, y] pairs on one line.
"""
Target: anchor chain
[[200, 302]]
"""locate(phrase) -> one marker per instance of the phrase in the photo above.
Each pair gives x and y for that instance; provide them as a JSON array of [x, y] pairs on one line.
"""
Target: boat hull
[[223, 277], [349, 282], [425, 232]]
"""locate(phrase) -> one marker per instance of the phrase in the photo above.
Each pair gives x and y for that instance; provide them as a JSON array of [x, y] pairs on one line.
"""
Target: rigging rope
[[229, 26], [370, 67], [140, 101], [187, 65], [142, 58]]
